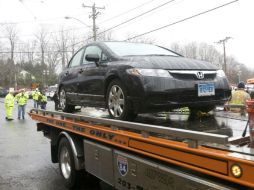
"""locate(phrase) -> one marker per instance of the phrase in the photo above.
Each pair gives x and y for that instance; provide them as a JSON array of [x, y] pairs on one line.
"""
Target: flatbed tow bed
[[136, 156]]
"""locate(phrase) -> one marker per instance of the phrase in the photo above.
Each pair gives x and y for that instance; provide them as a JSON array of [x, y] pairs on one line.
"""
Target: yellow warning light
[[236, 170]]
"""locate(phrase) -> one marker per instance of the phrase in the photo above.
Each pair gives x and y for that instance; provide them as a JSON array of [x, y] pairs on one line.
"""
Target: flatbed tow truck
[[136, 156]]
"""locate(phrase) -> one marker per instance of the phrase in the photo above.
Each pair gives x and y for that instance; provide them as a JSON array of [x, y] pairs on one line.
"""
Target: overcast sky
[[234, 20]]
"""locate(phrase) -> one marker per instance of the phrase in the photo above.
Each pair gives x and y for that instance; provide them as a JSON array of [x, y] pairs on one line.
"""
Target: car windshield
[[130, 49]]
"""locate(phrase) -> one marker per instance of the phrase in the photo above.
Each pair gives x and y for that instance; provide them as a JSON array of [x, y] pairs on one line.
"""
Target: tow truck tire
[[63, 102], [66, 163], [117, 104]]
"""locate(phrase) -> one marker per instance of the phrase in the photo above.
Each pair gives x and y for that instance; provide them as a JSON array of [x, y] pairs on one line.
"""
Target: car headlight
[[149, 72], [220, 73]]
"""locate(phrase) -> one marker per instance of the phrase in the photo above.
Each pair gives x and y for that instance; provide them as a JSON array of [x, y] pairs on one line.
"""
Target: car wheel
[[117, 103], [66, 163], [63, 102]]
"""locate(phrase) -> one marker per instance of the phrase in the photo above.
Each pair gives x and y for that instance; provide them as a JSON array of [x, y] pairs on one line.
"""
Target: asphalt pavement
[[25, 161]]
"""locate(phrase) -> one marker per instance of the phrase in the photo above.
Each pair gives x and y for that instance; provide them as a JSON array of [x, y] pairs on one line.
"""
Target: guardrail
[[193, 137]]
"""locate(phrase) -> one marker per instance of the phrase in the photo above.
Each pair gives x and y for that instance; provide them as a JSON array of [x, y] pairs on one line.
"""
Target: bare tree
[[61, 40], [30, 49], [42, 37], [141, 39], [191, 50], [106, 36], [201, 51], [11, 33]]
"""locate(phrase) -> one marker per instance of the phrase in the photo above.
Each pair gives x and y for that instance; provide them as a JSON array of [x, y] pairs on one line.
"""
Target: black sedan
[[131, 78]]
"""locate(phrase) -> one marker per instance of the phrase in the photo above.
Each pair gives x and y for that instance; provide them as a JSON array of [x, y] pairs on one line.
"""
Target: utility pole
[[94, 16], [223, 42]]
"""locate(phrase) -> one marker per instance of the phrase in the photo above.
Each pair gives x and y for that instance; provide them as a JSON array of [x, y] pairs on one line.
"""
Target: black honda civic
[[131, 78]]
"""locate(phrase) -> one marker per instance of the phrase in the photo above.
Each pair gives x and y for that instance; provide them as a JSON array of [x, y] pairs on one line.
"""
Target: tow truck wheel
[[63, 102], [66, 163]]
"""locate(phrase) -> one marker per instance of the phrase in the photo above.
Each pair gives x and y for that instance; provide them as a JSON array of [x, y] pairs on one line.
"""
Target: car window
[[75, 61], [132, 49], [94, 50]]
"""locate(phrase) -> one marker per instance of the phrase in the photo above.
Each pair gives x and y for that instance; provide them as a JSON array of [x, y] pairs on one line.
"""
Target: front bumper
[[149, 94]]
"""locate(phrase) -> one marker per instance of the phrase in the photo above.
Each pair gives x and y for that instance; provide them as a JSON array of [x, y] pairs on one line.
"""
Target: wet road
[[25, 153], [25, 162]]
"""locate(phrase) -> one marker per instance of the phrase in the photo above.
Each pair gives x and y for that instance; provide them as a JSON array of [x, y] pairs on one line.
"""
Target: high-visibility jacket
[[9, 100], [35, 95], [239, 97], [44, 99], [22, 98]]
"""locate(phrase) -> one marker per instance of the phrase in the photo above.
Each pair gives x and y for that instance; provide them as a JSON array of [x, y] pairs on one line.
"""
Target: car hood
[[169, 63]]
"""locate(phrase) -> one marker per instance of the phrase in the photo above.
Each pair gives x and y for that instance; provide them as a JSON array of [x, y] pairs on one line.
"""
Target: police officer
[[35, 95], [21, 99], [9, 104]]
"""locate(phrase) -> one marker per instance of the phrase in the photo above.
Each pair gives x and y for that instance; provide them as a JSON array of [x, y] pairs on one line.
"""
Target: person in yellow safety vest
[[21, 99], [9, 104], [43, 101], [239, 96], [35, 95]]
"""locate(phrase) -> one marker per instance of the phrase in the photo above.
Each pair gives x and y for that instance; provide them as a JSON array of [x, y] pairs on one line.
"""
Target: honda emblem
[[200, 75]]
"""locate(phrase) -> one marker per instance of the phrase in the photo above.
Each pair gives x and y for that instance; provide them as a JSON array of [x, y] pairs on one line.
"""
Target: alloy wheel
[[65, 162], [62, 99], [116, 101]]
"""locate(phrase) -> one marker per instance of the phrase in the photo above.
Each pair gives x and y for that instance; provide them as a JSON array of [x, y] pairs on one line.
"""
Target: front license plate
[[206, 89]]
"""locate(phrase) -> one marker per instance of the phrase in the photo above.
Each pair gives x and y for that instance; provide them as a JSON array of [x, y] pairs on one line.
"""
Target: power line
[[182, 20], [126, 12], [142, 14], [113, 26], [128, 20]]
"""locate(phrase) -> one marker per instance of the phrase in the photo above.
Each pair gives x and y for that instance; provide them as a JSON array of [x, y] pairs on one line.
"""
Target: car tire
[[66, 163], [117, 104], [63, 102]]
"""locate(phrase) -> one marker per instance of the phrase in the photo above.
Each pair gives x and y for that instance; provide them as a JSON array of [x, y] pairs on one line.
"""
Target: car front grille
[[192, 75]]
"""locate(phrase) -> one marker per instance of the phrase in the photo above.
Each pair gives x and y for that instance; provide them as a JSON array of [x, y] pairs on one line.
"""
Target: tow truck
[[137, 156]]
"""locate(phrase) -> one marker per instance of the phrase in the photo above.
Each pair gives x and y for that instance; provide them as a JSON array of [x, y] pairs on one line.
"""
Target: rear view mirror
[[93, 58]]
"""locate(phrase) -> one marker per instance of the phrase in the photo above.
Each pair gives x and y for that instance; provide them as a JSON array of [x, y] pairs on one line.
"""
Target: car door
[[70, 76], [91, 89]]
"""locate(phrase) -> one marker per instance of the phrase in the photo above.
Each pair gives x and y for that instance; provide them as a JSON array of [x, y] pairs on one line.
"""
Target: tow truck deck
[[130, 155]]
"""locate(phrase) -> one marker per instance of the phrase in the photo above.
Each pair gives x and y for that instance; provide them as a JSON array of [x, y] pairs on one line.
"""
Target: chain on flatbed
[[137, 138]]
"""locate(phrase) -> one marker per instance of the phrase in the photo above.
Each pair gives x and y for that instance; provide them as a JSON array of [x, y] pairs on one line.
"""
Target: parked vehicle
[[51, 91], [3, 92], [131, 78]]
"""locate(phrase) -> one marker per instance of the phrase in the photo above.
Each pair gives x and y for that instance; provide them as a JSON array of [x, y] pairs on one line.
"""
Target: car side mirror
[[93, 58]]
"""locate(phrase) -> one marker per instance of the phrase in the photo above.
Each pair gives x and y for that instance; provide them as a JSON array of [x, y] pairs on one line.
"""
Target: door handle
[[66, 73], [81, 70]]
